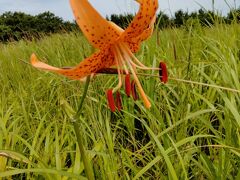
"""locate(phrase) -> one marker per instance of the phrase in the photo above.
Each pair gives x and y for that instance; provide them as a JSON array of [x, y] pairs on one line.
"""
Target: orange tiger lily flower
[[115, 45]]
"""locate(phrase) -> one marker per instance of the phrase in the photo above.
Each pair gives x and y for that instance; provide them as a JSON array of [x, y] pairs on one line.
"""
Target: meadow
[[190, 132]]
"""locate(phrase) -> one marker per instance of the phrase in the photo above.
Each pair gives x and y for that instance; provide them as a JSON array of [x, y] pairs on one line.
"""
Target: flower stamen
[[128, 85], [137, 63], [134, 91], [119, 101], [142, 93], [110, 99], [163, 74], [118, 64], [124, 55]]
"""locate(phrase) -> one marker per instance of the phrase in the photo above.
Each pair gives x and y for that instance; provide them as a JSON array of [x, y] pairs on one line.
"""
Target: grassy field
[[191, 131]]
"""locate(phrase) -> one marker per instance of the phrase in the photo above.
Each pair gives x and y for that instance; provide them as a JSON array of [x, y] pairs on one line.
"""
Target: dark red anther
[[110, 99], [128, 85], [119, 101], [163, 72], [134, 91]]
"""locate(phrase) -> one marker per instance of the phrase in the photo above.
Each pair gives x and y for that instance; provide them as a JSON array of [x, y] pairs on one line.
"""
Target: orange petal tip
[[33, 59], [40, 65]]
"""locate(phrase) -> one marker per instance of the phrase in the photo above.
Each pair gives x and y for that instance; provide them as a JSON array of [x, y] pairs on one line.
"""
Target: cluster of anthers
[[114, 97]]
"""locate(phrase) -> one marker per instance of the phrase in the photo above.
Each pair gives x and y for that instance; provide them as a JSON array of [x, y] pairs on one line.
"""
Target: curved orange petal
[[92, 64], [146, 33], [142, 20], [134, 43], [97, 30]]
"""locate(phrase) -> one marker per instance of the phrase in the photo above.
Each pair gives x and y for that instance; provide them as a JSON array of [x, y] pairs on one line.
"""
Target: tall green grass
[[191, 131]]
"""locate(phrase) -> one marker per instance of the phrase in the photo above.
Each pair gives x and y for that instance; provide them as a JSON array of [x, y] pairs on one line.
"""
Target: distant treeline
[[181, 18], [17, 25]]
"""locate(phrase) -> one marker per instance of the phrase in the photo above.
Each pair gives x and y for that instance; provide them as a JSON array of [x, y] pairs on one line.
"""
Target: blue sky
[[62, 8]]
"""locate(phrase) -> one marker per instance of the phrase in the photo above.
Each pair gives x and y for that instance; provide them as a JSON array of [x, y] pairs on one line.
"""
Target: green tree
[[233, 15], [18, 25], [180, 18], [163, 20], [5, 32]]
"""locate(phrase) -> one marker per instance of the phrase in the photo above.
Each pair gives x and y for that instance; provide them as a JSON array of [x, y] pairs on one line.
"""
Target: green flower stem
[[86, 161]]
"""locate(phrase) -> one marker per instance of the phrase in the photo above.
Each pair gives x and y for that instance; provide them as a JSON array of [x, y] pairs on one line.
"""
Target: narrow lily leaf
[[41, 171]]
